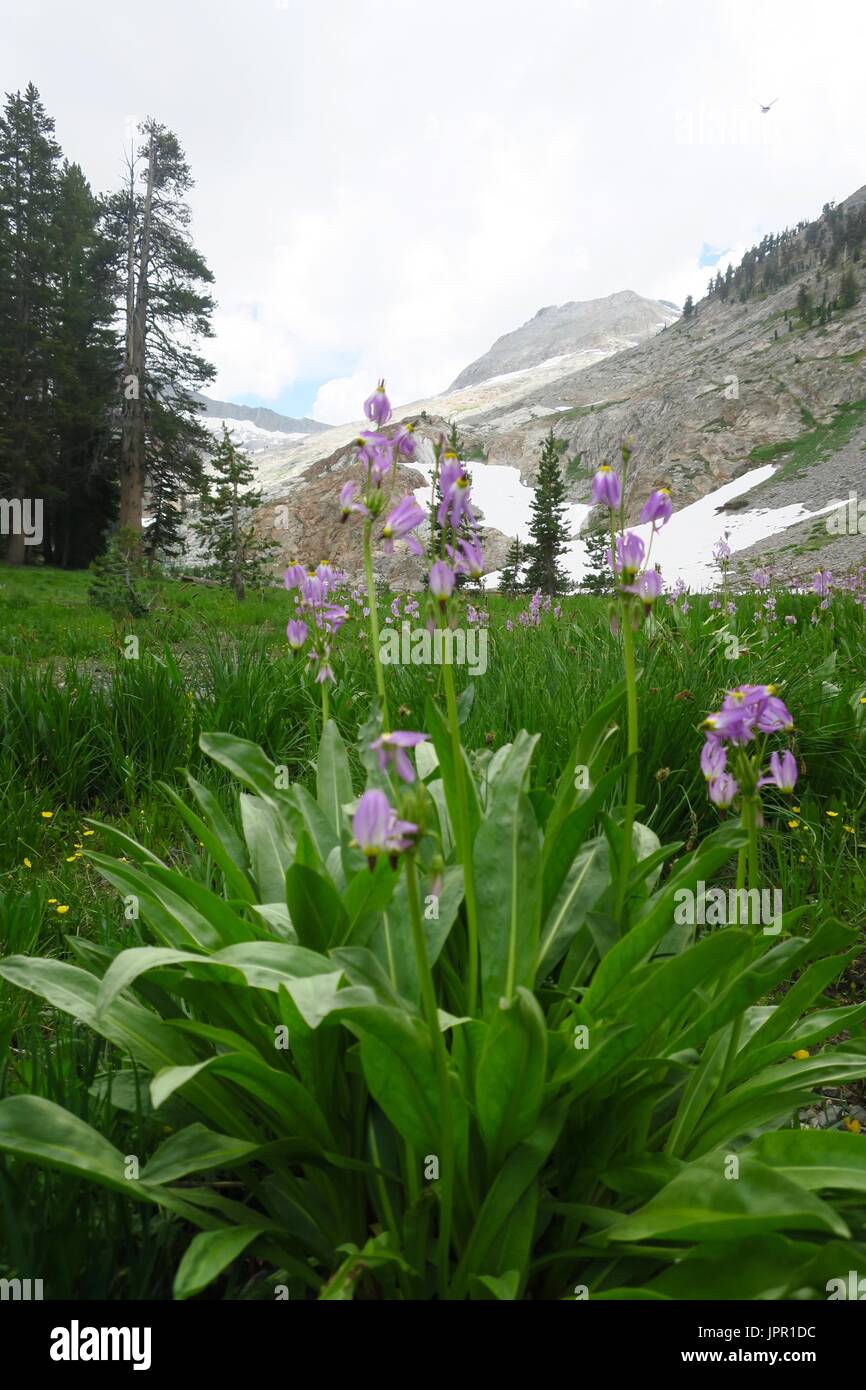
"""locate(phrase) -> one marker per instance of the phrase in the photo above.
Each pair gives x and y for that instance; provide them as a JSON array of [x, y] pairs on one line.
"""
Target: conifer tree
[[237, 555], [849, 290], [598, 578], [29, 159], [81, 493], [548, 528], [510, 581], [162, 280]]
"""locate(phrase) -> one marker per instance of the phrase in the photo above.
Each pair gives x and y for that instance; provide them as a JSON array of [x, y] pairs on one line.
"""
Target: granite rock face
[[619, 321], [698, 398]]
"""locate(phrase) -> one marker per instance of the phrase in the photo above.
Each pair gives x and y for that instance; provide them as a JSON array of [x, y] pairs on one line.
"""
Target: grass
[[816, 444], [88, 736]]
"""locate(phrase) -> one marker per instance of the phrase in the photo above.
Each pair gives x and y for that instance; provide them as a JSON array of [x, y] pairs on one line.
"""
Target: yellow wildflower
[[64, 907], [800, 1055], [26, 863]]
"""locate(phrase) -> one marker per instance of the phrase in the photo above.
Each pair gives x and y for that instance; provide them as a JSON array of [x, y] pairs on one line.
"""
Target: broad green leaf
[[218, 822], [317, 912], [236, 880], [510, 1079], [658, 915], [208, 1254], [814, 1158], [503, 1287], [508, 883], [333, 779], [702, 1203], [295, 1108], [321, 831], [583, 885], [271, 850], [195, 1149]]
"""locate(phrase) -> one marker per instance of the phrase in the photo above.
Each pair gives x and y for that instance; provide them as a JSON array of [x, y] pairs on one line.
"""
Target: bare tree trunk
[[132, 461]]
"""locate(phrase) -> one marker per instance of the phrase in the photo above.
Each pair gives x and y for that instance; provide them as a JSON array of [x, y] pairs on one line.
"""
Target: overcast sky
[[385, 186]]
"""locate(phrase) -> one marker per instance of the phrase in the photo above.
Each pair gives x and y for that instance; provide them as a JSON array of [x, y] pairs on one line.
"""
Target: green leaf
[[317, 825], [581, 889], [701, 1203], [40, 1130], [208, 1254], [510, 1079], [504, 1287], [658, 915], [317, 912], [290, 1102], [195, 1149], [391, 938], [508, 882], [441, 737], [218, 822], [333, 779], [236, 880], [271, 849], [814, 1158]]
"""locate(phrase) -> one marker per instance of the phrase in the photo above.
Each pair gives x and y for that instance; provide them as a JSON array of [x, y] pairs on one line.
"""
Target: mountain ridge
[[558, 329]]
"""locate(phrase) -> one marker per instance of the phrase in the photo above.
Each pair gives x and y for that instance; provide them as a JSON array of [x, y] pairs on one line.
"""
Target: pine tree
[[688, 307], [804, 305], [29, 158], [81, 492], [849, 290], [167, 309], [548, 528], [238, 556], [456, 445], [598, 578], [510, 581]]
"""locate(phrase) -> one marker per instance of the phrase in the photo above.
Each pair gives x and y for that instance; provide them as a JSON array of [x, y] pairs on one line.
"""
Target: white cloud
[[385, 188]]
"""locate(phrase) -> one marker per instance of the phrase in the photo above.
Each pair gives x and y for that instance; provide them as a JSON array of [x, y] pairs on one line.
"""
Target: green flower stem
[[463, 839], [631, 783], [326, 706], [440, 1057], [746, 859], [374, 626]]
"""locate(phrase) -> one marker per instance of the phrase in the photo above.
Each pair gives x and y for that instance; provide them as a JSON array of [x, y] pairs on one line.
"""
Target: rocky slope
[[616, 322], [706, 399], [259, 416]]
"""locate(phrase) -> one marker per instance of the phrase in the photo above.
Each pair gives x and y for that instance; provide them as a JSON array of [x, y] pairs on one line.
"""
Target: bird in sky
[[764, 108]]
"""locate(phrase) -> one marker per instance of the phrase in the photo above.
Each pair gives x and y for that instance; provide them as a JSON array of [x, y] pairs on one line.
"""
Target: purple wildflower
[[723, 789], [455, 488], [821, 583], [470, 560], [441, 581], [402, 520], [405, 442], [629, 555], [713, 757], [606, 488], [782, 773], [658, 508], [391, 748], [377, 407], [296, 631], [649, 586], [347, 500]]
